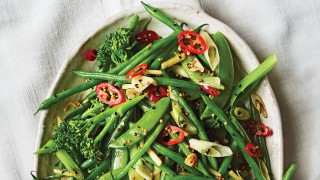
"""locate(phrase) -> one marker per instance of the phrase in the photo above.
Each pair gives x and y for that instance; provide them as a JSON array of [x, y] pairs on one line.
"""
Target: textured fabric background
[[37, 36]]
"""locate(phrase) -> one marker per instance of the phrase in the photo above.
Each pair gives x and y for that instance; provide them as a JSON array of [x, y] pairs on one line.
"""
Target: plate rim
[[112, 19]]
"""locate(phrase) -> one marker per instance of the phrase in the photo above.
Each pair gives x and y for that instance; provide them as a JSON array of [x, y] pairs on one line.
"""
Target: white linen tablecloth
[[36, 38]]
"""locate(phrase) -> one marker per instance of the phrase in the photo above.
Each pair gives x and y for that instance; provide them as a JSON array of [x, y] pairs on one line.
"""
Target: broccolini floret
[[117, 46]]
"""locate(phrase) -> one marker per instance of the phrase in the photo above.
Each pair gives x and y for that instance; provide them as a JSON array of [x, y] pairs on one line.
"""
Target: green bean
[[192, 116], [59, 96], [240, 129], [124, 120], [151, 48], [164, 55], [140, 129], [86, 164], [197, 29], [47, 148], [144, 148], [144, 106], [162, 17], [163, 167], [183, 146], [234, 134], [261, 140], [252, 77], [227, 160], [123, 79], [54, 176], [114, 117], [290, 172], [101, 168], [175, 157]]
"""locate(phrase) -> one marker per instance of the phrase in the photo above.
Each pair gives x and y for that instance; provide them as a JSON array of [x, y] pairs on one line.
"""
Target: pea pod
[[120, 158], [143, 126], [225, 72]]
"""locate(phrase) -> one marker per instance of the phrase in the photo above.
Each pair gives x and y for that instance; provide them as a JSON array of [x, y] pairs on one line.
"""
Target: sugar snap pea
[[120, 158], [144, 126]]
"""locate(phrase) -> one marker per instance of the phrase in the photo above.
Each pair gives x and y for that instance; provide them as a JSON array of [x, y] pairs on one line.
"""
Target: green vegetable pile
[[167, 127]]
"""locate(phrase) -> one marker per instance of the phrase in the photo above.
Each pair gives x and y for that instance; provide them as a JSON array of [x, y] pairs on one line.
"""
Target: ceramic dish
[[244, 57]]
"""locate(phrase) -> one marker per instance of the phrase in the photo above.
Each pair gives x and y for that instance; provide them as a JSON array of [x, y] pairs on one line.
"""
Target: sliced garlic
[[132, 93], [142, 82], [258, 103], [127, 86], [212, 53], [191, 160]]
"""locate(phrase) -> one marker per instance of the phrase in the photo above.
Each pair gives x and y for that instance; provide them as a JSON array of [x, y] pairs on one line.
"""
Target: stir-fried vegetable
[[124, 130]]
